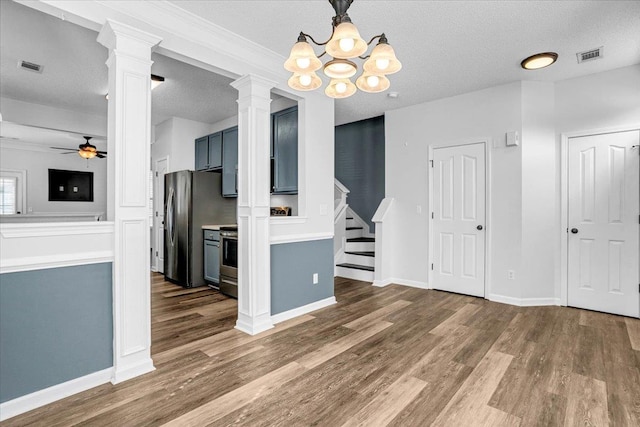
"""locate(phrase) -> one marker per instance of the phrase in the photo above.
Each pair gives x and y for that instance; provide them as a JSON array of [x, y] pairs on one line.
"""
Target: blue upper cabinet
[[202, 153], [285, 151], [215, 150], [230, 162], [209, 152]]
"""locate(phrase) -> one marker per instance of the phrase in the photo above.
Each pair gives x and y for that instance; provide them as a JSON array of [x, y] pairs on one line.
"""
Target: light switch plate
[[512, 138]]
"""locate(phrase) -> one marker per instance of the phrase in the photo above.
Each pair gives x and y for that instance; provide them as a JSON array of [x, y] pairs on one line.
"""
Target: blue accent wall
[[359, 164], [292, 268], [55, 325]]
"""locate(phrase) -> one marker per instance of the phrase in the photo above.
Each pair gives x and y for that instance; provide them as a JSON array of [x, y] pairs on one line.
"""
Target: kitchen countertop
[[216, 227]]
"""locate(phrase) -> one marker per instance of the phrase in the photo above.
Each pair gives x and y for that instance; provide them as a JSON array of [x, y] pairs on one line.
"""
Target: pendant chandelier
[[344, 45]]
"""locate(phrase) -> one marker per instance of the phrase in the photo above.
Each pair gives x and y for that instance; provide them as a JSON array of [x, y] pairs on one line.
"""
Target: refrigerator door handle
[[170, 217]]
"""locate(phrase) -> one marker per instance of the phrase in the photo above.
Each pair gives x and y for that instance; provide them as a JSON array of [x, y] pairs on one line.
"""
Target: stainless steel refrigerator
[[191, 200]]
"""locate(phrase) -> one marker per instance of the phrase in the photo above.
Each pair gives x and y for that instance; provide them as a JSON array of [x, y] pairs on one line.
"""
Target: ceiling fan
[[86, 150]]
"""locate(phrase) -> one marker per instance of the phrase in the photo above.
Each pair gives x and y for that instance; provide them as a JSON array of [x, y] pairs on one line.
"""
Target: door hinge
[[156, 213], [432, 217], [156, 173], [431, 161], [156, 253], [432, 266]]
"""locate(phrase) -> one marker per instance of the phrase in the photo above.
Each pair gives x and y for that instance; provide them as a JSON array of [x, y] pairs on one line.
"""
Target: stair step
[[356, 267], [354, 228], [362, 253], [362, 239]]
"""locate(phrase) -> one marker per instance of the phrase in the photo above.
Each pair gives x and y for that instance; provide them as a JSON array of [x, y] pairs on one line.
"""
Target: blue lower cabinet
[[212, 256]]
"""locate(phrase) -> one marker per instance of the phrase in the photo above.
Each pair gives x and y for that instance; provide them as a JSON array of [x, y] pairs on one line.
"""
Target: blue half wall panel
[[55, 325], [292, 269]]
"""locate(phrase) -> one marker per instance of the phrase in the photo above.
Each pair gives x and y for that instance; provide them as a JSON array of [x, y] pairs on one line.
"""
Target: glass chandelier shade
[[340, 88], [372, 83], [382, 60], [346, 42], [302, 59], [304, 82], [340, 69], [343, 47]]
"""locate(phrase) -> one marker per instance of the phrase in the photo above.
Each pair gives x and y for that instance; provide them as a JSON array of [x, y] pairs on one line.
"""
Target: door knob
[[574, 230], [479, 227]]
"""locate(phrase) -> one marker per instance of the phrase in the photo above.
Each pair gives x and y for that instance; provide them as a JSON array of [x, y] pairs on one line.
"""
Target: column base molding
[[254, 325]]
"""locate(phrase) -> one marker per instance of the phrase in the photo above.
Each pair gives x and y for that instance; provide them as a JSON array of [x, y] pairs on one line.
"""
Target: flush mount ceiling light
[[344, 44], [539, 60]]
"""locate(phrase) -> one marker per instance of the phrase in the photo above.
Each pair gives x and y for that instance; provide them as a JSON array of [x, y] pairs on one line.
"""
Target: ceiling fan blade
[[63, 148], [101, 152], [100, 156]]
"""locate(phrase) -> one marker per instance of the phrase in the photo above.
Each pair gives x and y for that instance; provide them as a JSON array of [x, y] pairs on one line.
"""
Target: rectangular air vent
[[590, 55], [30, 66]]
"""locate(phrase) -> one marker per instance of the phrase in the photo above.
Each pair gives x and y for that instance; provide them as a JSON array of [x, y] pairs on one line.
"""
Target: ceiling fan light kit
[[344, 44]]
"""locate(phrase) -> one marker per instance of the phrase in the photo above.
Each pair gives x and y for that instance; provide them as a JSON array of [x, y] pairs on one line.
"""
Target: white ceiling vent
[[590, 55], [30, 66]]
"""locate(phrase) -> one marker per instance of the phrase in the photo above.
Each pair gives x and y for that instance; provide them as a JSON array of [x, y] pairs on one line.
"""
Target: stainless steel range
[[229, 261]]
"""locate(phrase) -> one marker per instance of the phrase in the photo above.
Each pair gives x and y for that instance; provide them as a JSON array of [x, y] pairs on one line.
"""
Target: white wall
[[37, 161], [598, 101], [175, 138], [473, 117], [524, 227], [37, 165]]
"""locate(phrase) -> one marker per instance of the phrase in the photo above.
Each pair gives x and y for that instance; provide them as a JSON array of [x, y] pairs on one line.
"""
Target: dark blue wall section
[[55, 325], [360, 164], [292, 268]]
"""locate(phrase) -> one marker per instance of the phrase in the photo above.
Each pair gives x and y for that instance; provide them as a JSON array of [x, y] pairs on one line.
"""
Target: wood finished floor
[[382, 356]]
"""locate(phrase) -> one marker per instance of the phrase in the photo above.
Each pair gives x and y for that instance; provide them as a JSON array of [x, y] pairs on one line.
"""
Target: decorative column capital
[[115, 35], [253, 86]]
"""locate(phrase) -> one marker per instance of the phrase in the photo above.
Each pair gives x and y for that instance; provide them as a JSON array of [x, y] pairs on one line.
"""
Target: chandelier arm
[[315, 42], [379, 36]]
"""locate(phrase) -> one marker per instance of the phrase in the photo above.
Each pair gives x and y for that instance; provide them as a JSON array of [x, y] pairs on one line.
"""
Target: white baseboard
[[523, 302], [290, 314], [403, 282], [34, 400], [132, 371]]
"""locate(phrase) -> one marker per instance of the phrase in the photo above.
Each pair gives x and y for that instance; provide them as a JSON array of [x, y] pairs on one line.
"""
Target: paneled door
[[458, 228], [603, 226]]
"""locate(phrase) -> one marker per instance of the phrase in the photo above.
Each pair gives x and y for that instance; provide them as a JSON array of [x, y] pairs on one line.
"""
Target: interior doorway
[[161, 167], [602, 231], [458, 218]]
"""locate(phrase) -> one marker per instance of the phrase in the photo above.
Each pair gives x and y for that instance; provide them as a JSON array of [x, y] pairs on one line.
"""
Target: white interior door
[[161, 170], [458, 226], [603, 223]]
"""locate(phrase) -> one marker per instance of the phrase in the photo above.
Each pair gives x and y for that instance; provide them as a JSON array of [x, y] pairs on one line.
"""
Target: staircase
[[358, 260]]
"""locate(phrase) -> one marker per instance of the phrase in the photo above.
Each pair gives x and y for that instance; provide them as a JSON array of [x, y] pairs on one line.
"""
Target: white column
[[128, 147], [254, 177]]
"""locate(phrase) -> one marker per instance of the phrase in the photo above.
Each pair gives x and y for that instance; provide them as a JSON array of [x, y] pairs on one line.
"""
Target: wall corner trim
[[34, 400], [299, 311]]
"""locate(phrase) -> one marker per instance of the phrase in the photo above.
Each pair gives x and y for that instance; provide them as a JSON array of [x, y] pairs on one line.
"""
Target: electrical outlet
[[315, 278], [511, 275]]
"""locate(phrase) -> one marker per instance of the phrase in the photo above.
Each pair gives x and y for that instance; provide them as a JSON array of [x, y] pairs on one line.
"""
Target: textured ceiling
[[74, 74], [446, 47]]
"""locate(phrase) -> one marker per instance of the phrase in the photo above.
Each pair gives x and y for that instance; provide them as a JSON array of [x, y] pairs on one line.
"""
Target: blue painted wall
[[292, 268], [359, 164], [55, 325]]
